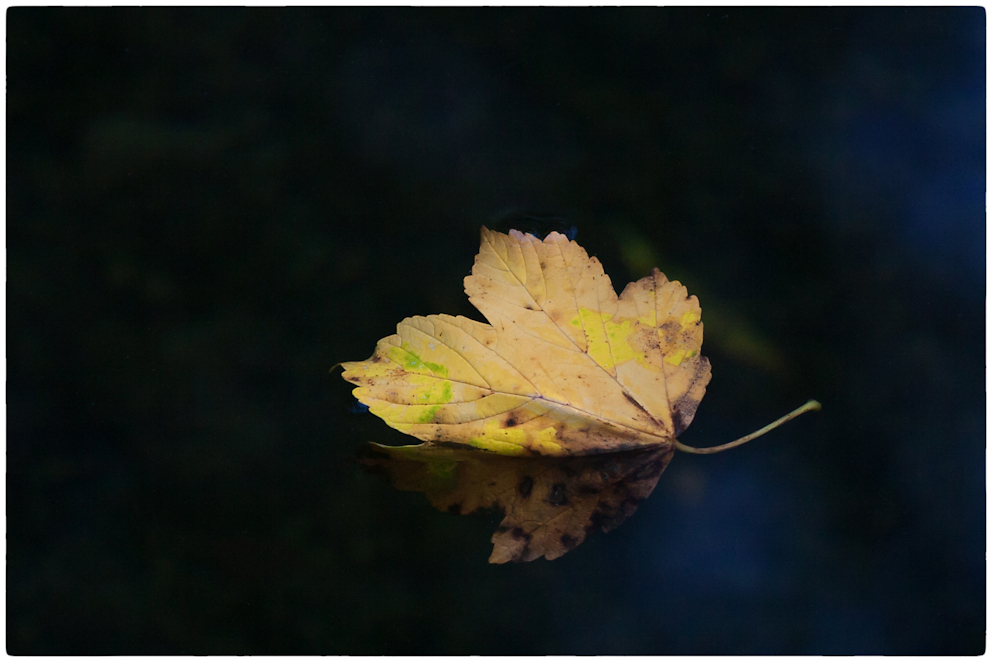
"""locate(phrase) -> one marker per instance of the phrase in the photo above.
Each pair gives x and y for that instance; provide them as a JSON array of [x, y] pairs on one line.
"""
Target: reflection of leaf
[[549, 504], [564, 367]]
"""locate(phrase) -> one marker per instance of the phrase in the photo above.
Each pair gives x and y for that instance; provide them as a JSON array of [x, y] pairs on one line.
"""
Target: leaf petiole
[[812, 405]]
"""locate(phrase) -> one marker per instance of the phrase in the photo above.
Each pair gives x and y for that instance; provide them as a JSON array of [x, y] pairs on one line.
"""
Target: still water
[[207, 209]]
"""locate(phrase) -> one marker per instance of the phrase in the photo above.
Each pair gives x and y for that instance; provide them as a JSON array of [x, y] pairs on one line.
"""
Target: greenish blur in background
[[208, 208]]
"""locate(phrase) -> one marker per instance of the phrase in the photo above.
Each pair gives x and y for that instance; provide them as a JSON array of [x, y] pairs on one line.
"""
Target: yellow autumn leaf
[[564, 366], [561, 412]]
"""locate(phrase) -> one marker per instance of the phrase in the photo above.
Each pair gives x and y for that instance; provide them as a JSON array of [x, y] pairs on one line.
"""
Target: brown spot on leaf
[[558, 496], [511, 421], [671, 330], [525, 486], [519, 534], [568, 542], [604, 519]]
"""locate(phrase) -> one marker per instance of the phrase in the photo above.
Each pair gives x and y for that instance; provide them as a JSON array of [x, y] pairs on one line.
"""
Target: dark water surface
[[207, 209]]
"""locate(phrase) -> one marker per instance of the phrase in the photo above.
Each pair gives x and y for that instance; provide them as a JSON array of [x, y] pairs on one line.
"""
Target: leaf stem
[[812, 405]]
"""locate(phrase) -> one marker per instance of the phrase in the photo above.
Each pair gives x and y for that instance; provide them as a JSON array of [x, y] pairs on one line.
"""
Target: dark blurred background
[[208, 208]]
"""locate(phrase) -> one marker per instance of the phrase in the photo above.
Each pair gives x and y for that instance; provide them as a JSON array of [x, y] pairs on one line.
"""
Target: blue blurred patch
[[358, 408], [904, 152]]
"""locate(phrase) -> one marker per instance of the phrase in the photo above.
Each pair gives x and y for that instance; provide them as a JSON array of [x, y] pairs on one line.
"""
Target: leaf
[[564, 367], [561, 412], [549, 504]]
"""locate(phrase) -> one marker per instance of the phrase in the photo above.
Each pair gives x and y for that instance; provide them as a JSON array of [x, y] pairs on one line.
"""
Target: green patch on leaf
[[411, 362], [428, 414]]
